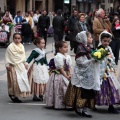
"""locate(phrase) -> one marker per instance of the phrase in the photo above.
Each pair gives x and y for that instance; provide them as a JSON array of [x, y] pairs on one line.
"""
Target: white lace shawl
[[86, 74]]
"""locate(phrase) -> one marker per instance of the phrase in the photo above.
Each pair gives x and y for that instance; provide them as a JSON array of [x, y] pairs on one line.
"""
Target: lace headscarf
[[101, 35], [82, 38], [82, 49]]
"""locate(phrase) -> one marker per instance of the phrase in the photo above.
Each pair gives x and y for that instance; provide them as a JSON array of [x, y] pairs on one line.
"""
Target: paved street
[[29, 110]]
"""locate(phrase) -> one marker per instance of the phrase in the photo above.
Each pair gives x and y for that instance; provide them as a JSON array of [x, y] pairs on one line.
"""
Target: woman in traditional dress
[[38, 72], [85, 78], [18, 85], [7, 18], [60, 67]]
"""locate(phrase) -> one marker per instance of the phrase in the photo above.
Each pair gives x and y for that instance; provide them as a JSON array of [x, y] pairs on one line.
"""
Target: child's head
[[3, 26], [61, 47], [84, 38], [105, 38], [17, 38], [39, 42]]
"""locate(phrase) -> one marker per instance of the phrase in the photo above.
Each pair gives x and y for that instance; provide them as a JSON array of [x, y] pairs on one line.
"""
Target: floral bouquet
[[99, 54], [10, 25]]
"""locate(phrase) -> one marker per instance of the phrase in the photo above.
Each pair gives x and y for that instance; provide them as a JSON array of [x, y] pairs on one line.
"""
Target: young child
[[108, 94], [85, 77], [38, 73], [59, 79], [18, 85]]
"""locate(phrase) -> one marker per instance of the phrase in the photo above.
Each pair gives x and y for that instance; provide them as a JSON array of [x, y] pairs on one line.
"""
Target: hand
[[45, 29], [26, 66], [107, 30], [68, 77], [68, 32], [9, 68], [109, 56]]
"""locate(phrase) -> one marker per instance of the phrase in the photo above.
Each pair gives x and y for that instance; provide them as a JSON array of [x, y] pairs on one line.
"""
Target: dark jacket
[[58, 23], [71, 23], [43, 22], [116, 33], [78, 28], [26, 29]]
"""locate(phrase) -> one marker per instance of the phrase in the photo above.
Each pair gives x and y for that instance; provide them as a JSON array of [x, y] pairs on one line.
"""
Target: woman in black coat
[[80, 25], [115, 43]]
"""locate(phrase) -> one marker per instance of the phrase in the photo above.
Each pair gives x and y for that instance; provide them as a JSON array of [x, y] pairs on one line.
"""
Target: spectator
[[80, 25], [43, 24], [18, 18], [58, 25], [100, 24], [115, 43], [71, 23], [26, 31], [28, 19]]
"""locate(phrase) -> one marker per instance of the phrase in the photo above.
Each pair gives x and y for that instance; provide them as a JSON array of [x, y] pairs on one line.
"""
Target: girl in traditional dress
[[18, 85], [85, 77], [38, 72], [108, 94], [59, 79]]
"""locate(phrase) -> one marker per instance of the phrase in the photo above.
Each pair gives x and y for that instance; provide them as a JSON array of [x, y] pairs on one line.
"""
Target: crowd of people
[[88, 83]]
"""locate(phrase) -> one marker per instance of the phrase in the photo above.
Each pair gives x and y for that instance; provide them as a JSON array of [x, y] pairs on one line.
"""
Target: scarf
[[15, 55], [83, 50], [83, 25]]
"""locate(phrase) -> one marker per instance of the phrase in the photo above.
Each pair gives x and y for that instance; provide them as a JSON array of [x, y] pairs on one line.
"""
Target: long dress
[[84, 81], [57, 85], [38, 72], [108, 94], [18, 84]]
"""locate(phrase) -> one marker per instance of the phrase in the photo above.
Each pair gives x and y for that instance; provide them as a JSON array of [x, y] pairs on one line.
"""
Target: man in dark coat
[[58, 25], [71, 25], [43, 24]]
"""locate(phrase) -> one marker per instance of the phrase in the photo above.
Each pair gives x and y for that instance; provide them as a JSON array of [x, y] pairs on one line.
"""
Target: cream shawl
[[15, 55]]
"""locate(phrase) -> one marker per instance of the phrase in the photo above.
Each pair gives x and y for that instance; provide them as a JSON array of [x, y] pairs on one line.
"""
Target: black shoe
[[111, 109], [94, 109], [41, 97], [35, 98], [78, 113], [86, 115], [15, 99]]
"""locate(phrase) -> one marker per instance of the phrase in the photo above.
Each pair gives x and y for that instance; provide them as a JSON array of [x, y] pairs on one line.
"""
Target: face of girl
[[7, 14], [105, 41], [117, 22], [89, 39], [64, 49], [82, 18], [17, 39], [41, 44]]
